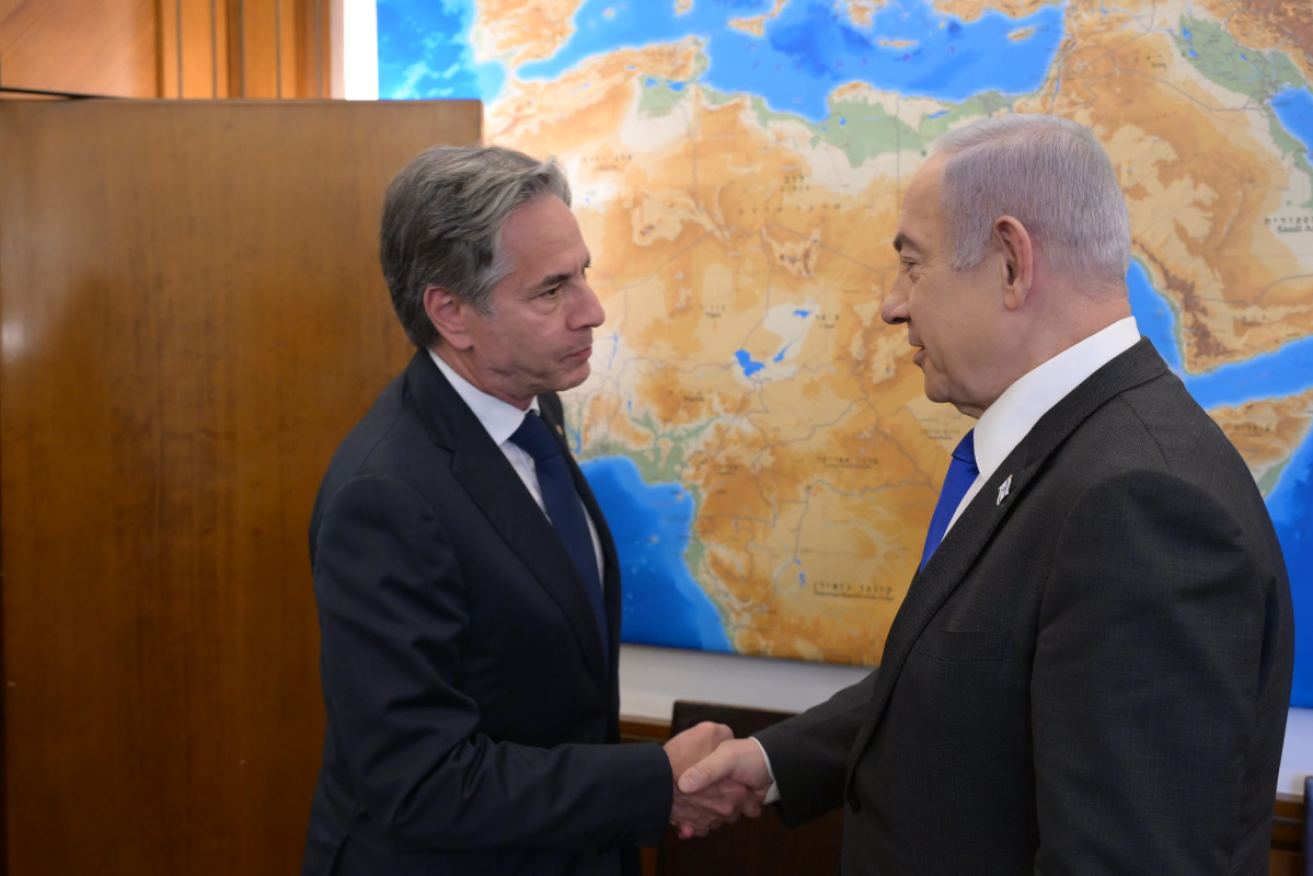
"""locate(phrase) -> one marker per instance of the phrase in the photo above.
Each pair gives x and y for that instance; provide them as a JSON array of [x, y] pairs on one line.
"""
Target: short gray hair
[[1049, 173], [442, 221]]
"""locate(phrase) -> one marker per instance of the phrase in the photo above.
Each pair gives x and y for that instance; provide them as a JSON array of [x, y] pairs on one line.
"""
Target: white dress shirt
[[500, 419], [1011, 417], [1006, 422]]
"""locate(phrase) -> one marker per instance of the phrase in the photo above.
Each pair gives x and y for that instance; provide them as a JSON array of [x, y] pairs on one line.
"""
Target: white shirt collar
[[1009, 419], [500, 418]]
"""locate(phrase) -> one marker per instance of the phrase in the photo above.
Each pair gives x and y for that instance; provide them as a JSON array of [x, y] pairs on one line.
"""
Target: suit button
[[854, 802]]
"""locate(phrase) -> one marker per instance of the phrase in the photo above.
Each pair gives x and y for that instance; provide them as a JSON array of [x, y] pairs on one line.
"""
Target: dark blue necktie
[[565, 510], [962, 473]]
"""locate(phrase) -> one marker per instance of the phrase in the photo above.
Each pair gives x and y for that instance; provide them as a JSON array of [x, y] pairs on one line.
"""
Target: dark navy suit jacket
[[1090, 676], [472, 717]]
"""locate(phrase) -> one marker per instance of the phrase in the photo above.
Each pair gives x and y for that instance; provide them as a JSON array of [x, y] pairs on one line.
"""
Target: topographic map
[[757, 436]]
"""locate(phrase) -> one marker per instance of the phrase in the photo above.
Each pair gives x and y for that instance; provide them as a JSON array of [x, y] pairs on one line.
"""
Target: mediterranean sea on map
[[756, 438]]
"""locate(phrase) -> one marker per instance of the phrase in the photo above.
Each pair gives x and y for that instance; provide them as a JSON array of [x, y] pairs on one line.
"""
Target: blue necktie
[[962, 473], [565, 510]]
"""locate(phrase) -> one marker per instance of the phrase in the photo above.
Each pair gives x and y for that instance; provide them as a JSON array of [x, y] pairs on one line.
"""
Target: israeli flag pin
[[1003, 490]]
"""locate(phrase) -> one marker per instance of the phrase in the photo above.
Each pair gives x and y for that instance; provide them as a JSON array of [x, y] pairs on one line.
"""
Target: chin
[[573, 378]]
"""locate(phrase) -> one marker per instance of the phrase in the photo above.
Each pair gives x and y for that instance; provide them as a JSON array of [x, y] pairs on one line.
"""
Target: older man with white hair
[[1091, 670]]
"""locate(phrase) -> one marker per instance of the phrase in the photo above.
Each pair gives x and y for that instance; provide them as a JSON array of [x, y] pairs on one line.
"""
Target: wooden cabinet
[[192, 317]]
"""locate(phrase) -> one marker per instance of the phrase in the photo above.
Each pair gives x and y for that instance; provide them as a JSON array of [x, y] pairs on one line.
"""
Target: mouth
[[918, 356], [582, 354]]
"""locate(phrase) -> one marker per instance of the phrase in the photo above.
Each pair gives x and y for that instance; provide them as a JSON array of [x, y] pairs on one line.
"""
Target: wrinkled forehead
[[927, 181], [919, 219], [542, 242]]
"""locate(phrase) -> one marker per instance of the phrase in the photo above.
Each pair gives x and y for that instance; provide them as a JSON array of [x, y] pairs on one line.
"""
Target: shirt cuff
[[773, 792]]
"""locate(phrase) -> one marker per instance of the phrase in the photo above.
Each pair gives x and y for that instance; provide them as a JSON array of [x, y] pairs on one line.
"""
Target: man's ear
[[450, 315], [1017, 267]]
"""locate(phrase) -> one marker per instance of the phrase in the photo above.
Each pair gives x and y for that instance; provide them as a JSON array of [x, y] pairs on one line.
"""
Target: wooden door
[[192, 317]]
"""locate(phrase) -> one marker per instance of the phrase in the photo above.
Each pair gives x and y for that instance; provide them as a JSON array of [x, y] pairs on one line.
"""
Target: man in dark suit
[[1090, 673], [467, 585]]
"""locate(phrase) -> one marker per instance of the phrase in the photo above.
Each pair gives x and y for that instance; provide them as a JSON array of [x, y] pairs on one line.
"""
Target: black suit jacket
[[471, 713], [1090, 676]]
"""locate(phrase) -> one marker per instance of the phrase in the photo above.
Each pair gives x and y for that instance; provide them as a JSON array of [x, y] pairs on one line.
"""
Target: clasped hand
[[717, 778]]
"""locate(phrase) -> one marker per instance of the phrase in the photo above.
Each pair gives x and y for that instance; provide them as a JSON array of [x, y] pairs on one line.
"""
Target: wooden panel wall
[[169, 48], [192, 317]]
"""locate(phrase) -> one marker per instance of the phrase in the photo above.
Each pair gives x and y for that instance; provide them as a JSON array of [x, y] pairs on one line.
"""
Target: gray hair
[[1049, 173], [442, 221]]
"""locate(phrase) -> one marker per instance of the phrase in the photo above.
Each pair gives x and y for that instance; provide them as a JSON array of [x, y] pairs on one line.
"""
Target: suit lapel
[[485, 474], [973, 530]]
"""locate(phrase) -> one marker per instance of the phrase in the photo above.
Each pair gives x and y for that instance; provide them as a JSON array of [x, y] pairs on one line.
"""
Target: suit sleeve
[[1146, 679], [809, 752], [393, 616]]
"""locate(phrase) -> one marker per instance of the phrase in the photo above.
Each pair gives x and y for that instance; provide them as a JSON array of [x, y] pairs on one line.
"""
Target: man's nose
[[588, 312], [894, 308]]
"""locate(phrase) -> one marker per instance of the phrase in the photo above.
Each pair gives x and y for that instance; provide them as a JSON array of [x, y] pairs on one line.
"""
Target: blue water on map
[[1284, 372], [809, 49], [804, 53], [1291, 507], [424, 51], [1294, 108], [1154, 317], [749, 365], [652, 525]]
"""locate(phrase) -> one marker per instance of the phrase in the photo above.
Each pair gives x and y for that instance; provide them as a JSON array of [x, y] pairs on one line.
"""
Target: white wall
[[355, 49], [1297, 756], [651, 679]]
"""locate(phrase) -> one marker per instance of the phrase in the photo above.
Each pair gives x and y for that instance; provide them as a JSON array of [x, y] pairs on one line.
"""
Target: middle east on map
[[757, 436]]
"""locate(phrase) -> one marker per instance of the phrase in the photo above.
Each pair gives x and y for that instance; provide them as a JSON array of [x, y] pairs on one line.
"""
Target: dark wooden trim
[[4, 698], [1288, 825], [67, 95], [636, 729]]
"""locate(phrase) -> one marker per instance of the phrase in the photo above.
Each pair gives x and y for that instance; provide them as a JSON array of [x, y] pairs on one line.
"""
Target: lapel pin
[[1003, 490]]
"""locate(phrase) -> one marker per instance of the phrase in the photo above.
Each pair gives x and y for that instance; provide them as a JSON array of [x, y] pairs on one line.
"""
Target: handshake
[[717, 778]]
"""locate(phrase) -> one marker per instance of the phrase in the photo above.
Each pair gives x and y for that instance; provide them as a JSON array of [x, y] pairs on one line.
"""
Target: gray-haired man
[[1091, 670], [467, 585]]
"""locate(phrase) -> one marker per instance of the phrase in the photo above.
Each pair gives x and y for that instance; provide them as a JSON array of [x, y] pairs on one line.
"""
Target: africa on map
[[757, 437]]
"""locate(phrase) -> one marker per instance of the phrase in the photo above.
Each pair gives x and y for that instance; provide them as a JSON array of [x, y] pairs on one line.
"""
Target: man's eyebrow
[[901, 240], [553, 280], [559, 278]]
